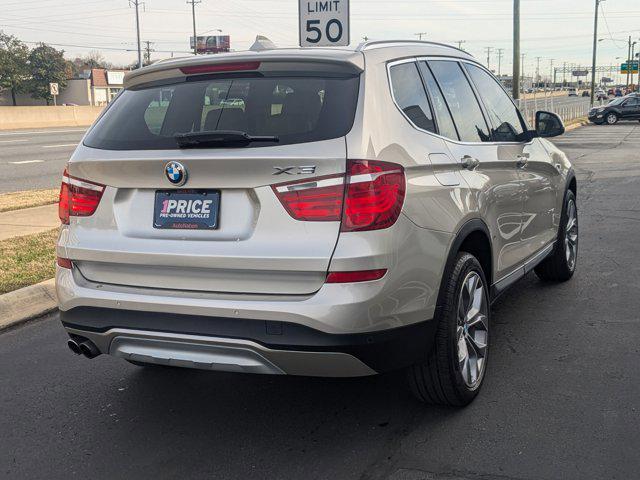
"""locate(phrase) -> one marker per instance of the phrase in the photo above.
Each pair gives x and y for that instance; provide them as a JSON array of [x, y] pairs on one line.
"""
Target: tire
[[611, 118], [443, 378], [561, 264]]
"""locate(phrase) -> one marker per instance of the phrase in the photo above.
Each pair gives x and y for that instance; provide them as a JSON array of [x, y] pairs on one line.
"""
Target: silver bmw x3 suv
[[326, 212]]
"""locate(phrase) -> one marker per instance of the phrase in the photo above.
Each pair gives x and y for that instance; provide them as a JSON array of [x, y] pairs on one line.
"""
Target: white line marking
[[61, 145], [39, 132], [27, 161], [12, 141]]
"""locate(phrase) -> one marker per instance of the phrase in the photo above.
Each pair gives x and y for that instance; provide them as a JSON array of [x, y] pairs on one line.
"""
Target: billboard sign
[[607, 80], [212, 43], [323, 23], [580, 73], [115, 78]]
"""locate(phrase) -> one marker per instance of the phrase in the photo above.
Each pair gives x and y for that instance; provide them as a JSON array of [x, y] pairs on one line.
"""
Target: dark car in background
[[620, 108]]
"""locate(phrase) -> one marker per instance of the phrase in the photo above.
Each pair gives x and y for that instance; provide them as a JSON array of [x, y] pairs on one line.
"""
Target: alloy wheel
[[611, 119], [571, 235], [472, 330]]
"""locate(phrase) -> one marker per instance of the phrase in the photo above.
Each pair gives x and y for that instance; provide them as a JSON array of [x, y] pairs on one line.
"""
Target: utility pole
[[633, 54], [522, 68], [628, 58], [460, 42], [551, 74], [489, 50], [515, 87], [193, 14], [147, 52], [564, 74], [538, 69], [500, 50], [420, 34], [595, 48], [137, 3]]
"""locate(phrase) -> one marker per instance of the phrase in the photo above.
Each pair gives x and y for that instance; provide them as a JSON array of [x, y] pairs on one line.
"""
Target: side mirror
[[548, 124]]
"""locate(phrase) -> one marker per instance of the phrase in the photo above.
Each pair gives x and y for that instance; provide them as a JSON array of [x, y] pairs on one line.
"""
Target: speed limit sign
[[324, 23]]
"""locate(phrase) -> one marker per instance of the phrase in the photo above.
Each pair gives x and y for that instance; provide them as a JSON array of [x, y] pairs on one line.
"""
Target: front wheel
[[454, 369], [561, 264], [612, 119]]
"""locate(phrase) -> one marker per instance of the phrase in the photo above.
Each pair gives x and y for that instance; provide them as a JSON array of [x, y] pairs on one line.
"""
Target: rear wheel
[[455, 367], [611, 118], [561, 264]]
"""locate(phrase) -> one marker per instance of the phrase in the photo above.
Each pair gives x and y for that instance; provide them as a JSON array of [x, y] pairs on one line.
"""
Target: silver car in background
[[326, 212]]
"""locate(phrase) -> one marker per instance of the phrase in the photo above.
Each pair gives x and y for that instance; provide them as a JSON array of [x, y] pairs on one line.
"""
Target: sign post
[[54, 91], [323, 23]]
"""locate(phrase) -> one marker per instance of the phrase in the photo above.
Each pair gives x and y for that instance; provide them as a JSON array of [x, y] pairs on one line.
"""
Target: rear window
[[296, 109]]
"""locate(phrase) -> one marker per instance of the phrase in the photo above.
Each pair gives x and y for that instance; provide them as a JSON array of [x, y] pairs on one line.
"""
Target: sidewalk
[[27, 221]]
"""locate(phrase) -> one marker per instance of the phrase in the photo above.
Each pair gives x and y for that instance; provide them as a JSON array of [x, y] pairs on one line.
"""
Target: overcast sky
[[552, 29]]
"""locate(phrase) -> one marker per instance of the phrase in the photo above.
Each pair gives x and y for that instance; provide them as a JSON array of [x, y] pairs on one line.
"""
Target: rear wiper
[[220, 138]]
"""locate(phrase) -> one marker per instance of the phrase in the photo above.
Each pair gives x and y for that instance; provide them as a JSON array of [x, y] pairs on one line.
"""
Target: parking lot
[[561, 397]]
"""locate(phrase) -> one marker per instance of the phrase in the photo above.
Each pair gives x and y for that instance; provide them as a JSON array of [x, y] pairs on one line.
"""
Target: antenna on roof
[[262, 43]]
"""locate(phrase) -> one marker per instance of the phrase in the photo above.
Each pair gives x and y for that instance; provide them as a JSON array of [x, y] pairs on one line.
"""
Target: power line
[[420, 34]]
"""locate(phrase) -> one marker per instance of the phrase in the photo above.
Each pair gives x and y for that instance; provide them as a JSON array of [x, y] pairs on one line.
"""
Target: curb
[[27, 303], [573, 126]]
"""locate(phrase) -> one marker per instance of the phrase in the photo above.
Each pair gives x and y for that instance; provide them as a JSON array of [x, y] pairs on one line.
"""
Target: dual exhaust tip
[[83, 347]]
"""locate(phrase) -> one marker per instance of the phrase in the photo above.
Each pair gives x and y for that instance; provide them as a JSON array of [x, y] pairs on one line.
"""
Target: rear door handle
[[469, 162]]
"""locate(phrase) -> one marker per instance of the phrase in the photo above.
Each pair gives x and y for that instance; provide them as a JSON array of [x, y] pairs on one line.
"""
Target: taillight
[[317, 200], [78, 198], [374, 196], [373, 199]]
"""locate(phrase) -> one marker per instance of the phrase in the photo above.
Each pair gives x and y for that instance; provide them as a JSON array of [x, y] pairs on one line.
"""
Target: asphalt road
[[561, 399], [34, 159]]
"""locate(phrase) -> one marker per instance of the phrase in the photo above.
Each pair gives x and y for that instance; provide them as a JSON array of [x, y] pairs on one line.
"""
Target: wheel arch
[[474, 238]]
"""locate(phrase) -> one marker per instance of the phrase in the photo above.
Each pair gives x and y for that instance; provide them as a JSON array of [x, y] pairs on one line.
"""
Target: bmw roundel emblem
[[176, 173]]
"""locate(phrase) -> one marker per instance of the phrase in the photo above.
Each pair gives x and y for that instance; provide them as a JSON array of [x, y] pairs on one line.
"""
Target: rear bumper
[[247, 345]]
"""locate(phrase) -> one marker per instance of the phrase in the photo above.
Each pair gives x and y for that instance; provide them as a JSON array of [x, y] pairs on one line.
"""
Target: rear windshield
[[295, 109]]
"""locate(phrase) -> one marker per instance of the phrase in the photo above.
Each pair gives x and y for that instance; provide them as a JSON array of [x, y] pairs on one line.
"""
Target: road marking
[[61, 145], [27, 161], [39, 132], [12, 141]]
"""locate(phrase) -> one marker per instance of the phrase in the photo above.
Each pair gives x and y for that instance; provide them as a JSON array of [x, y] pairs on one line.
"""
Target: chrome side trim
[[537, 258], [509, 279], [223, 354], [416, 59]]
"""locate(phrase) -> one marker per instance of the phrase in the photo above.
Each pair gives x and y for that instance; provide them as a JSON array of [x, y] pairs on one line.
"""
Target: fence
[[567, 110]]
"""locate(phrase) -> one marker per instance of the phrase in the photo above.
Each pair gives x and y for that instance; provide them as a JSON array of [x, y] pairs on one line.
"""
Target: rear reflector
[[64, 262], [353, 277], [78, 198], [220, 67]]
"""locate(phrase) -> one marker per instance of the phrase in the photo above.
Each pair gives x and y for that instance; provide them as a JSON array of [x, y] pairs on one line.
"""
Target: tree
[[94, 59], [14, 65], [47, 66]]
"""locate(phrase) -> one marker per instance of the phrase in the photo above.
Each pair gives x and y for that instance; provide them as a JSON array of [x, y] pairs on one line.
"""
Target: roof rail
[[373, 43]]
